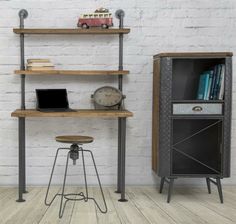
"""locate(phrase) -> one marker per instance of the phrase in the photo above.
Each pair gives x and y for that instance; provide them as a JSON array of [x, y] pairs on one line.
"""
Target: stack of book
[[39, 64], [211, 84]]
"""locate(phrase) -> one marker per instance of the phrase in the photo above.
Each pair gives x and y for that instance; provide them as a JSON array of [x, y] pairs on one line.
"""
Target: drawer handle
[[197, 108]]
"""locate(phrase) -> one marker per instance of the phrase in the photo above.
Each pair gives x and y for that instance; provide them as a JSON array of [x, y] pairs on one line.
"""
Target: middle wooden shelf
[[72, 72]]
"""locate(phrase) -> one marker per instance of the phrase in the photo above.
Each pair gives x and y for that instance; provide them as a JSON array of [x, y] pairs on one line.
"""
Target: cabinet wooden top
[[76, 113], [194, 54], [71, 31]]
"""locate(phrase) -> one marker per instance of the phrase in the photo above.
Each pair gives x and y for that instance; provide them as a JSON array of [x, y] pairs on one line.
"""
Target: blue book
[[210, 72], [222, 83], [206, 84], [213, 83], [217, 82], [202, 86]]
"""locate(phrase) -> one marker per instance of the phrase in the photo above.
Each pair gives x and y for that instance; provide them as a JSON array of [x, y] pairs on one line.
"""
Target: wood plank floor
[[145, 206]]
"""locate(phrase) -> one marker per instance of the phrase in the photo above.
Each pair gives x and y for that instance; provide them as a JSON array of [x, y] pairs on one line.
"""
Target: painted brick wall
[[156, 26]]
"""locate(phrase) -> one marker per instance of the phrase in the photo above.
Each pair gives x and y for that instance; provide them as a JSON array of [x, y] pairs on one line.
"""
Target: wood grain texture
[[71, 72], [145, 206], [74, 139], [70, 31], [155, 113], [76, 113], [194, 54]]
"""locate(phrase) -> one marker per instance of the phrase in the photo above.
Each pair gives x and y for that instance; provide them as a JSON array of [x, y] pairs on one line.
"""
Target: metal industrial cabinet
[[188, 141]]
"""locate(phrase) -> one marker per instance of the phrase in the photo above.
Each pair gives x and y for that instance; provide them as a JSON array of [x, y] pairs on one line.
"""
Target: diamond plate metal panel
[[165, 117], [227, 119]]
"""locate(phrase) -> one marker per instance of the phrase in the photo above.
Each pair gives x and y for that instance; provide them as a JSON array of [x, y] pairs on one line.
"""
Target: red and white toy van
[[101, 18]]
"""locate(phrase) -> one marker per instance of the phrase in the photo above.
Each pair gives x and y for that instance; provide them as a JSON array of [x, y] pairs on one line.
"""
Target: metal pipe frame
[[122, 158], [21, 127], [121, 121]]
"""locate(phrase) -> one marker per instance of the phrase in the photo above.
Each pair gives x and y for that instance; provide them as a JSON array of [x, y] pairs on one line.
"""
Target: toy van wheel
[[104, 26], [84, 26]]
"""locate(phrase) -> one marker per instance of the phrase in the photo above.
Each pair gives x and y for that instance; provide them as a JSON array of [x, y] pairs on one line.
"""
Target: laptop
[[52, 100]]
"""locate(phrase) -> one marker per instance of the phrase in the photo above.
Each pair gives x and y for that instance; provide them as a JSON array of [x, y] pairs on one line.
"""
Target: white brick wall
[[156, 26]]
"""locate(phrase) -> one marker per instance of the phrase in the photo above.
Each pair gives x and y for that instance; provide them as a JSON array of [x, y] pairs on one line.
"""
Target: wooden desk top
[[72, 72], [77, 113]]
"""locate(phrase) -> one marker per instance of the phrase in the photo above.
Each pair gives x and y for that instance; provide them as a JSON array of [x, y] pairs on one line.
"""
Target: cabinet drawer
[[197, 108]]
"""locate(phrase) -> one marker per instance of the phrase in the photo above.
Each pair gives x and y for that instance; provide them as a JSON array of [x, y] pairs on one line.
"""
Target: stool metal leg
[[100, 186], [85, 177], [61, 211], [50, 180]]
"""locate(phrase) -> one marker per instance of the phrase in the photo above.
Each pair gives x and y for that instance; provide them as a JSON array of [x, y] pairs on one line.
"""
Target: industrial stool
[[74, 152]]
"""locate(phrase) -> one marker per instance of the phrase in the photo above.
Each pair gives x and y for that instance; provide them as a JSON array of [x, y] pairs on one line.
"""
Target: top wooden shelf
[[194, 54], [70, 31]]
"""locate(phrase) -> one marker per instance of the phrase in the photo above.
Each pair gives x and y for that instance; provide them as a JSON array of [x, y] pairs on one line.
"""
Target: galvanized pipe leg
[[123, 141], [219, 189], [171, 184], [21, 175], [162, 184], [23, 156], [208, 185], [119, 158]]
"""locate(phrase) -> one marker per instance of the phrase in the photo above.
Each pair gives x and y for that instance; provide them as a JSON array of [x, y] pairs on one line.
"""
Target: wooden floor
[[145, 205]]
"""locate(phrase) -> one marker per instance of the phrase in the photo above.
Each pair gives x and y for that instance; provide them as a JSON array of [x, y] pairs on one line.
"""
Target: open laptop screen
[[51, 98]]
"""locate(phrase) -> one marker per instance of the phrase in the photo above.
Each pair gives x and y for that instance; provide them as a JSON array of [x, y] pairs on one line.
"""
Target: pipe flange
[[120, 13], [23, 13]]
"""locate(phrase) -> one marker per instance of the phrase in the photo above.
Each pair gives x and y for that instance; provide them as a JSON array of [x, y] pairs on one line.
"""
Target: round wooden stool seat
[[74, 139]]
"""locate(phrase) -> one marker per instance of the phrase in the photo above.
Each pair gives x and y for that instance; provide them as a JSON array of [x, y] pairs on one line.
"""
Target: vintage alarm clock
[[108, 97]]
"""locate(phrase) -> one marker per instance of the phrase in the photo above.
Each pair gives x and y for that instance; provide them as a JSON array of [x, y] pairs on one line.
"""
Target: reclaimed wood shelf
[[71, 72], [76, 113], [195, 54], [70, 31]]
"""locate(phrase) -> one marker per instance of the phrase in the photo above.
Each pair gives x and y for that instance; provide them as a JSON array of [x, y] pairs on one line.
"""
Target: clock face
[[107, 96]]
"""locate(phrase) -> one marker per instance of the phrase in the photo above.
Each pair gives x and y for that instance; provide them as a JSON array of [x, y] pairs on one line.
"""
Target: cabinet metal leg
[[171, 184], [119, 158], [208, 185], [219, 189], [162, 184], [122, 168], [21, 174]]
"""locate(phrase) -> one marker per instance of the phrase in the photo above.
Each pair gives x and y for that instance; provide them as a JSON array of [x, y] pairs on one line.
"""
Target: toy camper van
[[100, 18]]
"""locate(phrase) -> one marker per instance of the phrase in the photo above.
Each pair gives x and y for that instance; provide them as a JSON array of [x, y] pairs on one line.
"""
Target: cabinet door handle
[[197, 108]]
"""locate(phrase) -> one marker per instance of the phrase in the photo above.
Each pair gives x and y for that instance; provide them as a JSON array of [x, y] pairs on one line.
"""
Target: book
[[38, 60], [210, 72], [213, 82], [40, 64], [222, 84], [203, 86], [40, 68], [217, 81]]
